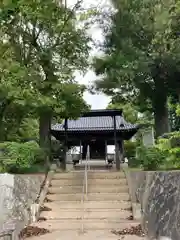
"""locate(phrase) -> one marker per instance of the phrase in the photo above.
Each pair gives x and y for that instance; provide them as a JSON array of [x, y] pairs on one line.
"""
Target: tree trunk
[[4, 105], [161, 116], [44, 135]]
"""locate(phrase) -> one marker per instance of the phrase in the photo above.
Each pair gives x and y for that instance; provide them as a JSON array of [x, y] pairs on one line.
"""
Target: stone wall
[[159, 196], [17, 194]]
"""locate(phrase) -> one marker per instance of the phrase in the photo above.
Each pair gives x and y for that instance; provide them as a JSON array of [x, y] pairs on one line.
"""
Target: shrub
[[150, 158], [170, 146], [130, 153], [14, 157], [178, 110]]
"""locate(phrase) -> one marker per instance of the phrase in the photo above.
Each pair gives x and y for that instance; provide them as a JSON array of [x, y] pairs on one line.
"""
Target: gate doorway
[[97, 150]]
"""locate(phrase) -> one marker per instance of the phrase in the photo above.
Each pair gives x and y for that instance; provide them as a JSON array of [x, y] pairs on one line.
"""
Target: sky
[[97, 101]]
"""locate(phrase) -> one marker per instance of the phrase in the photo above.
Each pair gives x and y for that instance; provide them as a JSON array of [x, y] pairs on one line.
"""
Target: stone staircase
[[107, 206]]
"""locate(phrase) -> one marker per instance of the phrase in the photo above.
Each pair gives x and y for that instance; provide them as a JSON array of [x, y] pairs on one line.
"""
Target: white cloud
[[97, 101]]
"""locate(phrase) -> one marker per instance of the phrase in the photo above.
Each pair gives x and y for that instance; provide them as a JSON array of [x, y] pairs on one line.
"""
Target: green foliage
[[169, 141], [52, 48], [170, 146], [173, 113], [178, 110], [129, 112], [15, 157], [130, 153], [17, 98], [165, 155], [29, 129], [20, 128], [142, 54], [41, 47], [150, 158]]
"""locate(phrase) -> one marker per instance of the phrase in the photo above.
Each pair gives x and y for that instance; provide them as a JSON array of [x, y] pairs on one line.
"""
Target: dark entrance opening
[[97, 149]]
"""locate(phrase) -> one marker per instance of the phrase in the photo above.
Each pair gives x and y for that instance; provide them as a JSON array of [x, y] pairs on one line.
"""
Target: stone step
[[91, 197], [91, 189], [91, 175], [86, 214], [95, 167], [79, 182], [86, 235], [88, 205], [104, 224]]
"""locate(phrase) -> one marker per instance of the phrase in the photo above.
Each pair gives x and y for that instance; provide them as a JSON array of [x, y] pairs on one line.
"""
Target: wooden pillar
[[84, 150], [80, 145], [121, 151], [116, 147], [64, 160], [105, 150]]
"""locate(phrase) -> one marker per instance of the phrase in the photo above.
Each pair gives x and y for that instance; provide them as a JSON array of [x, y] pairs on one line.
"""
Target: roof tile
[[95, 123]]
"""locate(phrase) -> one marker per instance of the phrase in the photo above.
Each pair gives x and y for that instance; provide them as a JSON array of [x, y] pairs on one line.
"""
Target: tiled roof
[[95, 123]]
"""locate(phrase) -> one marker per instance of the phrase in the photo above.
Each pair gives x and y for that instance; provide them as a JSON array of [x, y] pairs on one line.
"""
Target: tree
[[129, 112], [14, 91], [141, 59], [26, 130], [46, 42]]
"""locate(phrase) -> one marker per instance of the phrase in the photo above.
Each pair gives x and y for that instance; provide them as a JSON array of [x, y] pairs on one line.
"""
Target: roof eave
[[95, 130]]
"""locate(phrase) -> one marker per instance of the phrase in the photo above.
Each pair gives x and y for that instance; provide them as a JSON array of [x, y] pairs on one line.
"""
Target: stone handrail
[[85, 187]]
